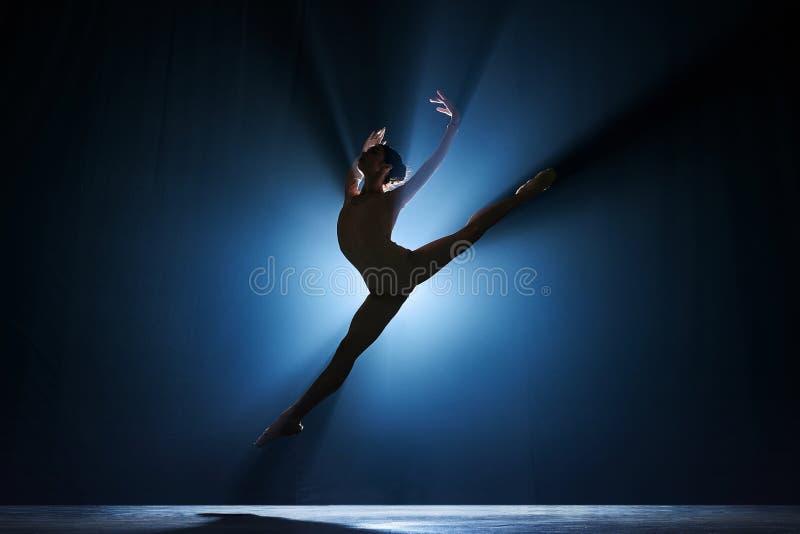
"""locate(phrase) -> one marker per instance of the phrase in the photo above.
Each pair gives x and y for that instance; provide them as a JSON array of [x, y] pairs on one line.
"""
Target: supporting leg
[[368, 322]]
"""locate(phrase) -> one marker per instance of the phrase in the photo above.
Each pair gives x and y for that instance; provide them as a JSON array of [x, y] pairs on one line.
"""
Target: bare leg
[[376, 311], [368, 322], [430, 258]]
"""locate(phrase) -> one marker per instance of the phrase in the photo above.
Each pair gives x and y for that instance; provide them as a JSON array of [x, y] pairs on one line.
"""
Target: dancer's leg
[[368, 322], [430, 258]]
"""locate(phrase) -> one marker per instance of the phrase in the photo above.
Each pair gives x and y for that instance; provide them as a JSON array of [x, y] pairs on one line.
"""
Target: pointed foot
[[538, 184], [284, 425]]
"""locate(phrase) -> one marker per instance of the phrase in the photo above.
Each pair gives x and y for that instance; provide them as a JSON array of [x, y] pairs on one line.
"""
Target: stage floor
[[380, 518]]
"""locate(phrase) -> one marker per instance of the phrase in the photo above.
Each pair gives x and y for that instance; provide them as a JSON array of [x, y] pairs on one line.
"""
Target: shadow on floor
[[259, 523]]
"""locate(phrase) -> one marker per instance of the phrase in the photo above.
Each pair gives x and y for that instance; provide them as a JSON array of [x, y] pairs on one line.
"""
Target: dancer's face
[[371, 162]]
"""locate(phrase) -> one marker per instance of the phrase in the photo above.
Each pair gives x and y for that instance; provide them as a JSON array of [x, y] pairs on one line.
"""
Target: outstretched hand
[[446, 107], [375, 138]]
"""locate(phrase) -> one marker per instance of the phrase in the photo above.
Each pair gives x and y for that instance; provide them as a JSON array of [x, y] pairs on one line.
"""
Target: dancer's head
[[398, 168], [382, 163]]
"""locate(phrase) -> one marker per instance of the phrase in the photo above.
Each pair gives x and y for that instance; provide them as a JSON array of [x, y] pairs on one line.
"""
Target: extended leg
[[430, 258], [368, 322]]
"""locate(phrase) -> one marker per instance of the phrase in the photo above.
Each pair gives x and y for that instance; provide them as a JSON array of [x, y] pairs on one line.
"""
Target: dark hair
[[399, 169]]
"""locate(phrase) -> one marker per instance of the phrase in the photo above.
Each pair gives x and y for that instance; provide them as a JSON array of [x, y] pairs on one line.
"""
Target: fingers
[[375, 137], [446, 107], [443, 101]]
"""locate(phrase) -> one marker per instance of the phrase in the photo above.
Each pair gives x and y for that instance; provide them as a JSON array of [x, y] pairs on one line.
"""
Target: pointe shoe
[[539, 183], [284, 425]]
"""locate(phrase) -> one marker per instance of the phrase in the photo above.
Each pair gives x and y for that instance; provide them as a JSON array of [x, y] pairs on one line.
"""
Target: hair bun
[[399, 170]]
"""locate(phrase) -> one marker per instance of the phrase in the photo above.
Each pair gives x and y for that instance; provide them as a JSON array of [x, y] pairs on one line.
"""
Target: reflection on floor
[[416, 519]]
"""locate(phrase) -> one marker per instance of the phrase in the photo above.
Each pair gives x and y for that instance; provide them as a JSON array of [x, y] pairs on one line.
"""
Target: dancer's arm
[[423, 174], [351, 181], [354, 175]]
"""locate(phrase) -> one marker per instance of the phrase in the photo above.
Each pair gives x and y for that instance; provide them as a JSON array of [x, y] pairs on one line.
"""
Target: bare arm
[[354, 174], [351, 181], [407, 191]]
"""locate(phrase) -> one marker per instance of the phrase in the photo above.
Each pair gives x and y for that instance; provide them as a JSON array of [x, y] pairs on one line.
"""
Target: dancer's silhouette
[[390, 271]]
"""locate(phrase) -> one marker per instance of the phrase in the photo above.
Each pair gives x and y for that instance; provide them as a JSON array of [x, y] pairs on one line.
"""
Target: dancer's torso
[[365, 229]]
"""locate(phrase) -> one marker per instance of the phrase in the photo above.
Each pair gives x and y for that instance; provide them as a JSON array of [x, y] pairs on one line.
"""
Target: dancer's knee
[[352, 345], [469, 234]]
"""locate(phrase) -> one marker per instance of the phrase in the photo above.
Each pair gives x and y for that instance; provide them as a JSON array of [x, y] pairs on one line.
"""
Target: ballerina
[[390, 271]]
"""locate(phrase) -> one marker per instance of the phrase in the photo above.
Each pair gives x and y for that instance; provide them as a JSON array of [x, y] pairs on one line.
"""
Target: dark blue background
[[158, 155]]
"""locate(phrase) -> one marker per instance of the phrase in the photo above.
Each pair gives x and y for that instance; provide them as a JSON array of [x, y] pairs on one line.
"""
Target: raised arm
[[354, 174], [351, 181], [423, 174]]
